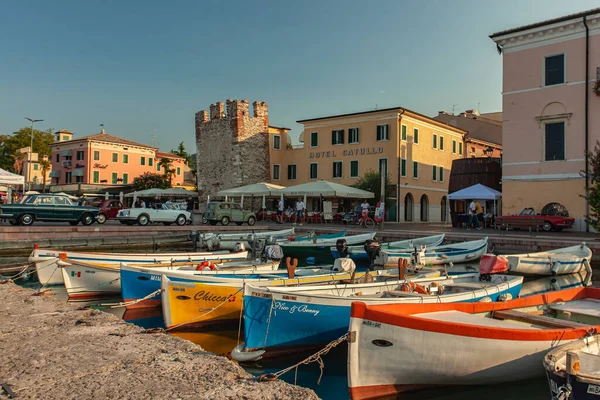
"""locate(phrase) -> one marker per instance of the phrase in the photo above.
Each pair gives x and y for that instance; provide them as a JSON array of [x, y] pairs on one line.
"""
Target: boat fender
[[38, 259], [505, 297], [420, 289], [62, 263], [413, 287], [485, 299], [240, 354], [435, 289], [205, 264]]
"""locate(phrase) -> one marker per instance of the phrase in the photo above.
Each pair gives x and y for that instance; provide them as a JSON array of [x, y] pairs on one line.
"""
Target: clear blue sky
[[139, 66]]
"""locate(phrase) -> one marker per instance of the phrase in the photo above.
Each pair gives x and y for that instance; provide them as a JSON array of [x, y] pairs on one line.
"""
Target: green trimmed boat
[[320, 249]]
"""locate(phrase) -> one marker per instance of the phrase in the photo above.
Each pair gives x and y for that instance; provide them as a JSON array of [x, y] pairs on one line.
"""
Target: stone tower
[[232, 146]]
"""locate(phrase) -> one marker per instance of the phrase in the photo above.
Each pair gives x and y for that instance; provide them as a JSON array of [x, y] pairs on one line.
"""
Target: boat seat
[[589, 307], [398, 293], [539, 320]]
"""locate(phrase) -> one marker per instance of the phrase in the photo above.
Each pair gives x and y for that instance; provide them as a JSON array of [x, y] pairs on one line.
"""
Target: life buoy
[[205, 264], [413, 287]]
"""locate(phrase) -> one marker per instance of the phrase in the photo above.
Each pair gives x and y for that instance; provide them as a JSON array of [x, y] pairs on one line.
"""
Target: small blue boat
[[359, 254]]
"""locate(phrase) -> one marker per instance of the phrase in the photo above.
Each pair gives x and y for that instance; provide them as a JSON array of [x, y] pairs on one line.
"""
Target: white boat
[[229, 240], [47, 260], [85, 280], [451, 253], [397, 348], [566, 260], [350, 240], [358, 253]]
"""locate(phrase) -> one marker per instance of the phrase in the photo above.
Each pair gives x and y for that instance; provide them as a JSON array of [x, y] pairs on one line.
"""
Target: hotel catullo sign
[[364, 151]]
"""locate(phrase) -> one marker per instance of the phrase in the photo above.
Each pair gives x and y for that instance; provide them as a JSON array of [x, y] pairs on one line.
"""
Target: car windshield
[[211, 206]]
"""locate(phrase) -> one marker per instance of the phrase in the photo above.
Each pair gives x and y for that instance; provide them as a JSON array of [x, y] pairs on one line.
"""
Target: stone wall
[[232, 146]]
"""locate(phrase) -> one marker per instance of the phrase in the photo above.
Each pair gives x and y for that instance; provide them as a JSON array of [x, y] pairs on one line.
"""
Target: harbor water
[[328, 380]]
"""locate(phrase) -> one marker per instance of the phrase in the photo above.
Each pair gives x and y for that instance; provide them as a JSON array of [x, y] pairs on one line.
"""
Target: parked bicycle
[[356, 219]]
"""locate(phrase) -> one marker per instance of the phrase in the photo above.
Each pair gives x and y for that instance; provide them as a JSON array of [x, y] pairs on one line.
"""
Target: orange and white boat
[[402, 347]]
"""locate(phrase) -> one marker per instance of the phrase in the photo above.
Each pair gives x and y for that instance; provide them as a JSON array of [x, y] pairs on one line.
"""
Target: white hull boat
[[452, 253]]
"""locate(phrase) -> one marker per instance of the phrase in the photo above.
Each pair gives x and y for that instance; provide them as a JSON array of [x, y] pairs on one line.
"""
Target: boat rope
[[316, 357], [210, 310], [564, 393], [20, 274], [132, 302], [271, 309]]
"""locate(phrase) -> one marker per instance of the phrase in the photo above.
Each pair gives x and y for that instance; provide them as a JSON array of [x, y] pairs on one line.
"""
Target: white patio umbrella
[[264, 202], [106, 196], [9, 196], [208, 199], [256, 189], [327, 189], [225, 197], [134, 197], [242, 200], [121, 197]]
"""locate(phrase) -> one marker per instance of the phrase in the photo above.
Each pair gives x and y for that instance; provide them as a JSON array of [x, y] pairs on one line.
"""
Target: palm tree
[[165, 164], [45, 165]]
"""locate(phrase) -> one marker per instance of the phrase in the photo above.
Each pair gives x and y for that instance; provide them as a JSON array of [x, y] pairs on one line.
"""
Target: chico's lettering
[[208, 296]]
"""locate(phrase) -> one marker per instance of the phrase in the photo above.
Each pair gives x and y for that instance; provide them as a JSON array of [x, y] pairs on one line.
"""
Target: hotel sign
[[365, 151]]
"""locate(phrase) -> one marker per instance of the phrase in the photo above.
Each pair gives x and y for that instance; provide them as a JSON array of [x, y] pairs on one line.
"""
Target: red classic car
[[529, 219], [108, 209]]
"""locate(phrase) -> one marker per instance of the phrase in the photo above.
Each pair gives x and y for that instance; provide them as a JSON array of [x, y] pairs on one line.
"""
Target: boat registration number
[[371, 323], [593, 389]]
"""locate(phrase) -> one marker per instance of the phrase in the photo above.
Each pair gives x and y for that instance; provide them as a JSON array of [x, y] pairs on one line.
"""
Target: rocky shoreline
[[55, 350]]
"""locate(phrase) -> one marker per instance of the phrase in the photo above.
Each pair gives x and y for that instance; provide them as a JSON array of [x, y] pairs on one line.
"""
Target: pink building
[[104, 162], [551, 114]]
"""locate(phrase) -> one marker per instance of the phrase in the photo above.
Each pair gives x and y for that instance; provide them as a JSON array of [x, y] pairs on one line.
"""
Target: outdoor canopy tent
[[8, 178], [172, 192], [179, 192], [256, 189], [478, 191], [326, 189]]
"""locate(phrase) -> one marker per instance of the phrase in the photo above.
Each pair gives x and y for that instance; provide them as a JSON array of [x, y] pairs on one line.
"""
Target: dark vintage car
[[47, 207], [108, 209], [527, 218]]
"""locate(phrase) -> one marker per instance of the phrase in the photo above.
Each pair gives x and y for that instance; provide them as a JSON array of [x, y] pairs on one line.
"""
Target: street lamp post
[[31, 149]]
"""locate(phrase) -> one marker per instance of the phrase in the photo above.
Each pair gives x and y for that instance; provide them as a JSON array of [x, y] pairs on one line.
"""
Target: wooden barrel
[[467, 172]]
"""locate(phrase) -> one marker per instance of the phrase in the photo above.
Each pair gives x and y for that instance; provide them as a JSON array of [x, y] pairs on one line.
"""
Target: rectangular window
[[441, 142], [35, 167], [96, 156], [460, 147], [353, 135], [178, 170], [383, 167], [157, 166], [337, 136], [382, 132], [415, 170], [292, 171], [354, 169], [79, 155], [125, 158], [434, 173], [404, 133], [276, 172], [142, 160], [115, 157], [314, 139], [555, 141], [57, 157], [402, 167], [453, 146], [96, 178], [554, 70], [125, 179], [314, 170], [415, 136], [78, 179], [150, 161], [277, 142], [68, 177], [114, 178], [441, 174], [338, 169], [435, 141], [65, 137]]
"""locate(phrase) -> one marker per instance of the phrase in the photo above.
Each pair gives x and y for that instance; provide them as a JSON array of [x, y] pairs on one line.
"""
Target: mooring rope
[[132, 302], [316, 357], [20, 274]]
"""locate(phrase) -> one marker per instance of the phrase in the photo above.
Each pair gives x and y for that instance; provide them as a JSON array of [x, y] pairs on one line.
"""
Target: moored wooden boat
[[47, 260], [229, 240], [555, 283], [358, 253], [283, 319], [452, 253], [320, 249], [85, 280], [462, 343], [566, 260], [573, 369]]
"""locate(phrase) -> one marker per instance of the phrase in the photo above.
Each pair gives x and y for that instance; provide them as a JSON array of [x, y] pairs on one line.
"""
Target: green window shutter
[[441, 174], [415, 169], [460, 148], [454, 146], [357, 135], [332, 137], [96, 176], [415, 135], [441, 143], [343, 136], [434, 173], [404, 133], [402, 167]]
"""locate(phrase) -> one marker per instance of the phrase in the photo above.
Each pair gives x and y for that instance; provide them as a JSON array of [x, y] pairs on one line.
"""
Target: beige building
[[414, 150], [34, 170]]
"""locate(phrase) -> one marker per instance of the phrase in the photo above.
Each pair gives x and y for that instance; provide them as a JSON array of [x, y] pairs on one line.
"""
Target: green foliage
[[9, 144], [190, 159], [593, 197], [371, 182], [149, 180]]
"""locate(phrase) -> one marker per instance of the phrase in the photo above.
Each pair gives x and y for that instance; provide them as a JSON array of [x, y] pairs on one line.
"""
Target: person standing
[[280, 212], [190, 204], [364, 212], [299, 211], [473, 215]]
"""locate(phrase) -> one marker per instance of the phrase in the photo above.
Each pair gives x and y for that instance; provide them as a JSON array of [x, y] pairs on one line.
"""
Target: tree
[[167, 166], [10, 144], [45, 167], [593, 196], [190, 159], [149, 180], [371, 182]]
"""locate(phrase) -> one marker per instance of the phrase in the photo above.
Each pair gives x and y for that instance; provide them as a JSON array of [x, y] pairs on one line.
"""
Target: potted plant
[[596, 87]]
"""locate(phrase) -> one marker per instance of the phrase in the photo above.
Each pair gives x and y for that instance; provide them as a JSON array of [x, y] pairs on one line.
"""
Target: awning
[[478, 192], [326, 189], [78, 172], [55, 174], [66, 153]]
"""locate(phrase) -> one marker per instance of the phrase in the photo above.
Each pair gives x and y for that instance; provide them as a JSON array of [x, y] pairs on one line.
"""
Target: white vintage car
[[165, 213]]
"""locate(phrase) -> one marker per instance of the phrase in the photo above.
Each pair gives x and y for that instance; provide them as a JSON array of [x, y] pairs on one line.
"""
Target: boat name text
[[295, 308], [208, 296]]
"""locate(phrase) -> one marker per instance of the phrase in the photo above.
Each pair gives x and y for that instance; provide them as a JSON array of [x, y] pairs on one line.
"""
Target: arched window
[[424, 208], [408, 207]]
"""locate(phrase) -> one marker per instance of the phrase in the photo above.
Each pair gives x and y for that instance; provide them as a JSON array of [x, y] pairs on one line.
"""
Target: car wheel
[[181, 220], [225, 221], [213, 223], [73, 223], [143, 220], [26, 219], [251, 221], [101, 218], [87, 219], [547, 226]]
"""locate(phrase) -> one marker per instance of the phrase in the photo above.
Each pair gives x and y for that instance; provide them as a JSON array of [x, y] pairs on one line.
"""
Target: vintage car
[[160, 212], [226, 212], [108, 209], [527, 219], [47, 207]]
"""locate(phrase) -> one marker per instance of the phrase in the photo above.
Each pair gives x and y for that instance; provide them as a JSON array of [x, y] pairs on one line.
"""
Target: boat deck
[[470, 319], [589, 307]]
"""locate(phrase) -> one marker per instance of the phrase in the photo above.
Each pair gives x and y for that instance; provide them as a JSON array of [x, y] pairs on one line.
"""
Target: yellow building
[[411, 148]]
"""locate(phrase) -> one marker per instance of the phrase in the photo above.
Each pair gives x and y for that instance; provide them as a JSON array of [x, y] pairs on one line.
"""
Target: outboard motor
[[238, 247], [194, 236], [416, 258], [342, 248], [372, 248]]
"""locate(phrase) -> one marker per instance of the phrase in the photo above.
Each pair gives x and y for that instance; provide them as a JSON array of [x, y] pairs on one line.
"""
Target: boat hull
[[455, 253], [358, 253], [87, 282]]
